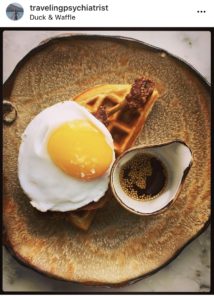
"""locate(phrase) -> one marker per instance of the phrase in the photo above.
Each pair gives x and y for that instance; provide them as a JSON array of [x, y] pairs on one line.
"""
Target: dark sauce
[[143, 177]]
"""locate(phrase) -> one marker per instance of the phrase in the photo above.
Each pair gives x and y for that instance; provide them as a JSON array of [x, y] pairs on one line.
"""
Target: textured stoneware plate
[[120, 247]]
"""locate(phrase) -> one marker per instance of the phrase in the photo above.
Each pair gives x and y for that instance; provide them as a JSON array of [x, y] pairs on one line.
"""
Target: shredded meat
[[140, 92], [102, 115]]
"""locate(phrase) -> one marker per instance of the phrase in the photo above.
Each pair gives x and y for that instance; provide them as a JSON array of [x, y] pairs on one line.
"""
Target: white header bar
[[107, 13]]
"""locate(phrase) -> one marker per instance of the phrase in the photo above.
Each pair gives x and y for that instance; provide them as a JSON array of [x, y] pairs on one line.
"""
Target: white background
[[134, 13]]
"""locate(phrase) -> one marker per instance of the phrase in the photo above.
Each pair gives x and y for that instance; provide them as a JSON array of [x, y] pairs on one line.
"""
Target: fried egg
[[65, 158]]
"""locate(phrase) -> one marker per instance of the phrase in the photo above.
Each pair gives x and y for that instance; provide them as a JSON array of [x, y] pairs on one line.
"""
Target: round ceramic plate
[[119, 247]]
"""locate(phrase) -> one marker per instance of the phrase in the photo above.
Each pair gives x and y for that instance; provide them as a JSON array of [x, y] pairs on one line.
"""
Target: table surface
[[190, 271]]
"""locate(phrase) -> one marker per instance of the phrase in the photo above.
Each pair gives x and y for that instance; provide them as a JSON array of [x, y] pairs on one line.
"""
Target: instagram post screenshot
[[106, 148]]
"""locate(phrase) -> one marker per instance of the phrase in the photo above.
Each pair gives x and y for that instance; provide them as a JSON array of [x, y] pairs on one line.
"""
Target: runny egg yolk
[[80, 149]]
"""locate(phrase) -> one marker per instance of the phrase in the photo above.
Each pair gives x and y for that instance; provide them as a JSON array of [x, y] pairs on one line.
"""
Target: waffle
[[124, 126]]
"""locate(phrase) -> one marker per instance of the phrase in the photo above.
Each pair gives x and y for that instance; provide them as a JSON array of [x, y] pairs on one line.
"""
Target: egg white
[[47, 186]]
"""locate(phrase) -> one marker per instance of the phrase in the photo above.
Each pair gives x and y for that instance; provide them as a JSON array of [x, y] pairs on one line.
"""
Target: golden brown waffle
[[124, 126]]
